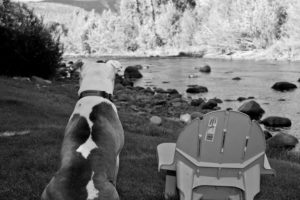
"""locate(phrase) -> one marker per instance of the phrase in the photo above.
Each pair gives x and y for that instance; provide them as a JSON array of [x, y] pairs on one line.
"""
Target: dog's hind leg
[[107, 191], [117, 170]]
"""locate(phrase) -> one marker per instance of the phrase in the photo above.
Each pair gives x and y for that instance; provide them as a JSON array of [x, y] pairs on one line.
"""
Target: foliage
[[144, 26], [27, 46]]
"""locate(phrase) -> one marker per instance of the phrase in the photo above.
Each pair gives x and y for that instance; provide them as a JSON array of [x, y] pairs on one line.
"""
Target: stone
[[124, 97], [217, 100], [197, 102], [195, 115], [155, 120], [132, 72], [274, 121], [252, 109], [241, 98], [40, 80], [186, 118], [101, 61], [282, 140], [267, 135], [236, 79], [197, 89], [205, 69], [160, 90], [211, 104], [299, 80], [176, 104], [284, 86], [118, 86], [172, 91]]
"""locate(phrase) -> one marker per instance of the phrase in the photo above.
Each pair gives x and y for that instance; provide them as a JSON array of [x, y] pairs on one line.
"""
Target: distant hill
[[98, 5]]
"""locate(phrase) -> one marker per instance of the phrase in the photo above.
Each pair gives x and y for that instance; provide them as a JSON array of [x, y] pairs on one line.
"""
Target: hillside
[[223, 29]]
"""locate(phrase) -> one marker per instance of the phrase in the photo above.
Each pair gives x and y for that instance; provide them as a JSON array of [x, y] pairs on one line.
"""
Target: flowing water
[[257, 79]]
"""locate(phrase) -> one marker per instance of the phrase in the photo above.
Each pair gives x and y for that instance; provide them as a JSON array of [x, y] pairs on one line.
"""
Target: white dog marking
[[86, 148], [92, 191], [84, 108]]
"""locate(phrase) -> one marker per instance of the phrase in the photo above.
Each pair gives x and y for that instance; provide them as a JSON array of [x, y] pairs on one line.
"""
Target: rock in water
[[236, 79], [197, 89], [282, 140], [284, 86], [274, 121], [156, 120], [253, 109], [132, 72], [205, 69]]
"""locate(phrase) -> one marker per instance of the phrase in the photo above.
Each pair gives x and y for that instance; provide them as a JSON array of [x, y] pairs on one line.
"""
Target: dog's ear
[[117, 67]]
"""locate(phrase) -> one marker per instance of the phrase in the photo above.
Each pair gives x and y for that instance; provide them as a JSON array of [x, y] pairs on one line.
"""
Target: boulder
[[197, 102], [282, 140], [284, 86], [299, 80], [253, 109], [274, 121], [211, 104], [267, 135], [155, 120], [40, 80], [197, 89], [132, 72], [205, 69]]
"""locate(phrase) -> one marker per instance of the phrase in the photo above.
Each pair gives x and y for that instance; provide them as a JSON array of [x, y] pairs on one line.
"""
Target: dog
[[93, 139]]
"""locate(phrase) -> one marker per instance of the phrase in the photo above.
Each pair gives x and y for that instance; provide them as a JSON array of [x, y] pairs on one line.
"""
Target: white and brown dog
[[93, 140]]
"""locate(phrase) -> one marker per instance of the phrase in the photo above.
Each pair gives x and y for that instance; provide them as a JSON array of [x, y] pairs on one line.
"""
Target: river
[[257, 78]]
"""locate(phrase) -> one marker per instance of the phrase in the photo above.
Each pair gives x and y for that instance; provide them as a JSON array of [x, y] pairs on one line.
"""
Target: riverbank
[[29, 161], [271, 54]]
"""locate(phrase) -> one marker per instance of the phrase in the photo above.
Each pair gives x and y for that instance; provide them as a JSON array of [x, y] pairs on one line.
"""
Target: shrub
[[27, 46]]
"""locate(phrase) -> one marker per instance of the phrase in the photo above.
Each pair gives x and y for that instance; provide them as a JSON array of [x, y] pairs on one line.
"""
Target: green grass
[[28, 162]]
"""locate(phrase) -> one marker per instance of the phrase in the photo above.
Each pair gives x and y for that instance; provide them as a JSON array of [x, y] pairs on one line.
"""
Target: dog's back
[[90, 153]]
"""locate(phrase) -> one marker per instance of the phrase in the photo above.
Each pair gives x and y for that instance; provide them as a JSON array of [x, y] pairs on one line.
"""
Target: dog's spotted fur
[[91, 146]]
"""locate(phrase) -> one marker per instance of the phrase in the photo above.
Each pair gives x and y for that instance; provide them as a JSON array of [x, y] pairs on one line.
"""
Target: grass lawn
[[28, 162]]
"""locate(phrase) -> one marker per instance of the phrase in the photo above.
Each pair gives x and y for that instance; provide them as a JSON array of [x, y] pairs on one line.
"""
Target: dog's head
[[95, 75]]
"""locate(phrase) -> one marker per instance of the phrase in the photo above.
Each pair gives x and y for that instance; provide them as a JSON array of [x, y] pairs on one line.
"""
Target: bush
[[27, 46]]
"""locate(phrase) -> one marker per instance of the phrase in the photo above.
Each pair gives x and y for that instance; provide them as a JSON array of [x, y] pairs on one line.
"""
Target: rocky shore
[[158, 105]]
